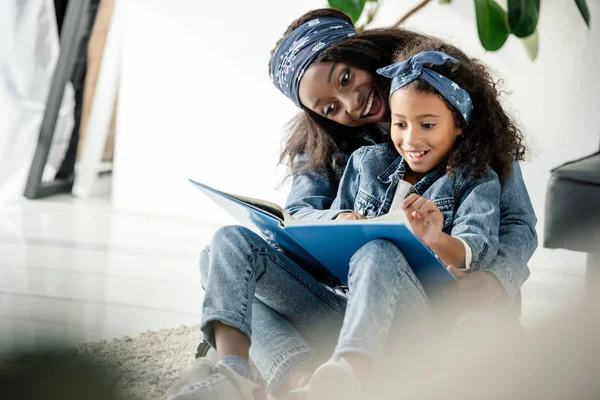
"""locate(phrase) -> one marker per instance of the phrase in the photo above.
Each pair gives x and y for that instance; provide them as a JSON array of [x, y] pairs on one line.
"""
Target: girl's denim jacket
[[369, 183], [469, 205]]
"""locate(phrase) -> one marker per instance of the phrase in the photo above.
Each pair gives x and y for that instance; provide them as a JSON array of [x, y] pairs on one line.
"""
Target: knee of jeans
[[233, 236], [380, 255], [232, 246]]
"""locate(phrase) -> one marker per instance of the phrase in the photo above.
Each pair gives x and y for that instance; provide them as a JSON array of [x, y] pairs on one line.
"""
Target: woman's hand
[[474, 291], [425, 218], [350, 216]]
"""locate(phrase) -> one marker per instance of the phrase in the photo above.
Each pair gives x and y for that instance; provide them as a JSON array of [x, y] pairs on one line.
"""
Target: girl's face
[[341, 93], [423, 128]]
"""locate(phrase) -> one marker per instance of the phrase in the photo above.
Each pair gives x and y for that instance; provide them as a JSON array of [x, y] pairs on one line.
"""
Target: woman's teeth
[[369, 103]]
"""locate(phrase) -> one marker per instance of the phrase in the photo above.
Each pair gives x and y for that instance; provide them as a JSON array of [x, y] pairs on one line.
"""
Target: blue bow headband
[[412, 69], [297, 51]]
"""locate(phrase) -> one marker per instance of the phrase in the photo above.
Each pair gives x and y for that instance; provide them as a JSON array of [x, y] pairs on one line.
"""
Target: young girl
[[447, 127]]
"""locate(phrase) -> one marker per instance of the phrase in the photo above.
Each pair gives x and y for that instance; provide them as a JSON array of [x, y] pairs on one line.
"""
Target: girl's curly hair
[[491, 138]]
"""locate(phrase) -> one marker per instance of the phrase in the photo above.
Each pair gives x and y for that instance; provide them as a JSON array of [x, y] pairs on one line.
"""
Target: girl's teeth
[[370, 103], [416, 154]]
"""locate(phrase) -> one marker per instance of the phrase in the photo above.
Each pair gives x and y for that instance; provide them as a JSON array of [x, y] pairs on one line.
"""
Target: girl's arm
[[518, 238], [476, 223], [477, 219]]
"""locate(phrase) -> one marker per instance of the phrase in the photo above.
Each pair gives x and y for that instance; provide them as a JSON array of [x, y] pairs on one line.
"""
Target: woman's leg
[[280, 353], [240, 265]]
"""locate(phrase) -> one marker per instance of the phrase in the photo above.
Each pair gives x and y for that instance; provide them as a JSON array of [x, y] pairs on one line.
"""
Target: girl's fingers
[[417, 204], [409, 200]]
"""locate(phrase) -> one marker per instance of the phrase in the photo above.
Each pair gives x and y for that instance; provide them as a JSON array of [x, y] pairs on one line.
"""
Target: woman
[[343, 109]]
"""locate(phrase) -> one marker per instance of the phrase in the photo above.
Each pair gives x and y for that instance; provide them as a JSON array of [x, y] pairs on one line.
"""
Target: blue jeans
[[291, 318]]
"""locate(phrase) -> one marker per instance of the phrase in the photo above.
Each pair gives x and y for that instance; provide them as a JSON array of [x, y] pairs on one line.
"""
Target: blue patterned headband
[[297, 51], [412, 69]]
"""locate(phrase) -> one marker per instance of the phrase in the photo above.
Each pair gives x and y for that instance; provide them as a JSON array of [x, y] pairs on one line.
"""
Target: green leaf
[[523, 16], [532, 45], [492, 24], [351, 7], [583, 9]]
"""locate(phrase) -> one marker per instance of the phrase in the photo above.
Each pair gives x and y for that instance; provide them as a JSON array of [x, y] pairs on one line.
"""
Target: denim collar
[[396, 170], [428, 180]]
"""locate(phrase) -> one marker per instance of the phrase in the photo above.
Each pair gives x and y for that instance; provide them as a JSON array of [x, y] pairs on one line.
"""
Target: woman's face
[[341, 93]]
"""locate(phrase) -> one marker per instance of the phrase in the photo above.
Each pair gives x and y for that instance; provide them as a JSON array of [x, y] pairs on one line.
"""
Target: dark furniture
[[573, 211]]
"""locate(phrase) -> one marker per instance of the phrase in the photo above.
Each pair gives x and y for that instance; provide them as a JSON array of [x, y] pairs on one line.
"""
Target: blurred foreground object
[[52, 376]]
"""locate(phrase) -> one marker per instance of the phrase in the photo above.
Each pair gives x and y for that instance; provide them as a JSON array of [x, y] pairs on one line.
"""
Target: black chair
[[573, 212]]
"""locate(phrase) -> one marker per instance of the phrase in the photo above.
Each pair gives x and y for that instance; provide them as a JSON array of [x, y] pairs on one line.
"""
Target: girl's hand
[[425, 218], [350, 216]]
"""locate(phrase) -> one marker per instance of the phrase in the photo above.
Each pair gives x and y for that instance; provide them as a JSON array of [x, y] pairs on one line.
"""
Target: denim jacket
[[470, 206], [312, 195]]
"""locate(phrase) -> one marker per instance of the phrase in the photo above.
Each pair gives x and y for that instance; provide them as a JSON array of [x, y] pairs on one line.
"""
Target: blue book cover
[[328, 245]]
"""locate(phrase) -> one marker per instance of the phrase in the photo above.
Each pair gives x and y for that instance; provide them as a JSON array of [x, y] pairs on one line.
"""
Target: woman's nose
[[352, 104]]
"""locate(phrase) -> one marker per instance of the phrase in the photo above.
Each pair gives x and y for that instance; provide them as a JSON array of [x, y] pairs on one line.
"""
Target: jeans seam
[[283, 361]]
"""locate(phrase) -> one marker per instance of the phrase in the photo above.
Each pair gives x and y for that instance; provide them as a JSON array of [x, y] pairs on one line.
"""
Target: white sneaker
[[201, 369], [334, 380], [222, 384]]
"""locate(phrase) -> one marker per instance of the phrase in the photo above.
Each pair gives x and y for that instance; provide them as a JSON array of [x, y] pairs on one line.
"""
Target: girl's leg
[[383, 290], [239, 265]]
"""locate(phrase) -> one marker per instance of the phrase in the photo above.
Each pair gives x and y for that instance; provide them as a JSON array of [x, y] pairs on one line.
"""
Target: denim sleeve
[[311, 195], [518, 238], [348, 188], [477, 218]]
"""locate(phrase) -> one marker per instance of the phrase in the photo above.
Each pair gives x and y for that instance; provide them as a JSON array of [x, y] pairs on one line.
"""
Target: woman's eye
[[329, 109], [400, 124], [345, 77]]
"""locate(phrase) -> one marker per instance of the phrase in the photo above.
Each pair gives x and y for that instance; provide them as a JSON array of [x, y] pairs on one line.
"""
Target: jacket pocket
[[366, 204], [446, 206]]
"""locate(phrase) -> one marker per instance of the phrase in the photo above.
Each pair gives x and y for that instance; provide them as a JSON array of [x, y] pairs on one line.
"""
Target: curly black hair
[[492, 138], [319, 137]]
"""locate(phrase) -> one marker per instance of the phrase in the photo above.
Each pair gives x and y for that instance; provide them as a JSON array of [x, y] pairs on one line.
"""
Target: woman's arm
[[312, 194]]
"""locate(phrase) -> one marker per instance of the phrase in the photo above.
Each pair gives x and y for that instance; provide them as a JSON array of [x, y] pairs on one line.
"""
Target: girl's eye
[[428, 126], [345, 77], [329, 109]]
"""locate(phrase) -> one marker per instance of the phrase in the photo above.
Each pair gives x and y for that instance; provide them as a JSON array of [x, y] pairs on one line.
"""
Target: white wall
[[196, 100]]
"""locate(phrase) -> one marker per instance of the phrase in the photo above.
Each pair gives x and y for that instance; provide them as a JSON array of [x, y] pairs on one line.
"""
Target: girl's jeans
[[291, 318]]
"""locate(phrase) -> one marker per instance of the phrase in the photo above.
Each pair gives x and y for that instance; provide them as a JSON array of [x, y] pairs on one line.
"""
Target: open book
[[324, 247]]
